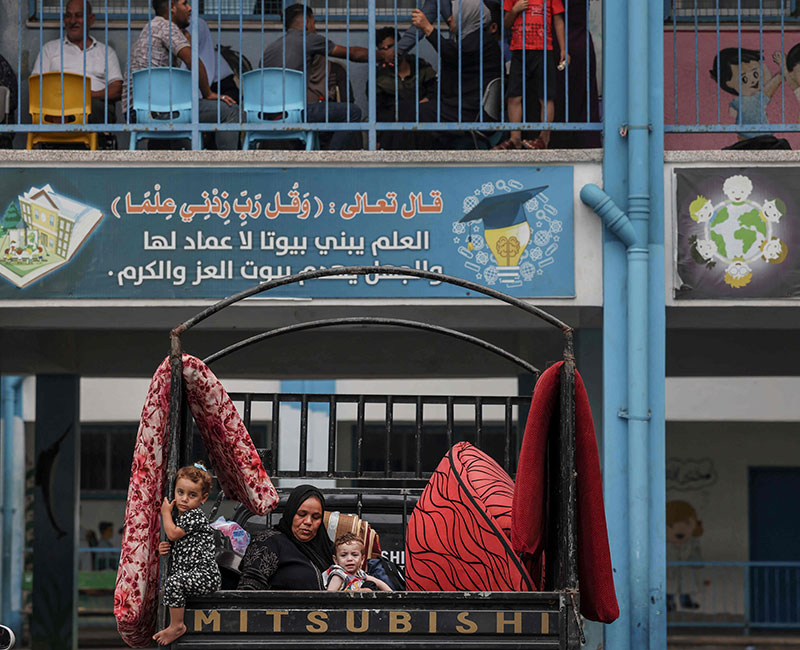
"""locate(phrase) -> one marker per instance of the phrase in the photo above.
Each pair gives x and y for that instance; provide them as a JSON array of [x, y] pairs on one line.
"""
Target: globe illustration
[[738, 230]]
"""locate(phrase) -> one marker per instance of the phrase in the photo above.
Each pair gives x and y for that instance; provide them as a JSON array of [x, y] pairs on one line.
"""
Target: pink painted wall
[[689, 87]]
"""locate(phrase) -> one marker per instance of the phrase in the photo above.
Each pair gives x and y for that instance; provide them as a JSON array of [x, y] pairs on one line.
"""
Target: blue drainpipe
[[13, 485], [637, 413]]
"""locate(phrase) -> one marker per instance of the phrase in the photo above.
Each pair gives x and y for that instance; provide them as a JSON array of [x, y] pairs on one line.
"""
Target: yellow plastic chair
[[45, 94]]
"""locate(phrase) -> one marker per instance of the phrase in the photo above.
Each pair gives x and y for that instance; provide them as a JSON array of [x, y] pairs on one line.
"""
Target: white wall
[[728, 449]]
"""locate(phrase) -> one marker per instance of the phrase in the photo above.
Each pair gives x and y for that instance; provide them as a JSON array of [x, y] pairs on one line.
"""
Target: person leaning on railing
[[102, 64], [470, 60], [411, 80], [166, 38], [296, 50]]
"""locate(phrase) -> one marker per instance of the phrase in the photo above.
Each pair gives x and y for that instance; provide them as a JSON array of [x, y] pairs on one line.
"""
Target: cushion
[[457, 534]]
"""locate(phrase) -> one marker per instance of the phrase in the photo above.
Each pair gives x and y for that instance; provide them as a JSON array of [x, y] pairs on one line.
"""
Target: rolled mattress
[[458, 534]]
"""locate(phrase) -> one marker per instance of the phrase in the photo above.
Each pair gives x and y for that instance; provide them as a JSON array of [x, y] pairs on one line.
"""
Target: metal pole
[[657, 340], [638, 334]]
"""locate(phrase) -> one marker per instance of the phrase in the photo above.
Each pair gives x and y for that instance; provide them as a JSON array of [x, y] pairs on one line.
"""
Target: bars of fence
[[733, 594], [394, 441], [439, 84], [731, 69]]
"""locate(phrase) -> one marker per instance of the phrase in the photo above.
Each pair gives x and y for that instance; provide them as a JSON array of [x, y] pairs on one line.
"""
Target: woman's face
[[307, 519]]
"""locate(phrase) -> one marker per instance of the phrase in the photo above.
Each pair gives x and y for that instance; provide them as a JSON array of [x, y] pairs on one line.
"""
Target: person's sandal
[[536, 143], [506, 145]]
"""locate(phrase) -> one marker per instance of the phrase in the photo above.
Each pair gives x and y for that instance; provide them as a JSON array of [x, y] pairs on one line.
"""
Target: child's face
[[680, 531], [705, 212], [349, 556], [750, 74], [188, 495]]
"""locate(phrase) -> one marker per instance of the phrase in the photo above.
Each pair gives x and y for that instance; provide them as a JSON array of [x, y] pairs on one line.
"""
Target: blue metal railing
[[240, 25], [734, 594], [731, 67]]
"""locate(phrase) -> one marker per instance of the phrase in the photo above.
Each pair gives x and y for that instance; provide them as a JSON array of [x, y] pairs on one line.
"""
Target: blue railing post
[[371, 76], [196, 96]]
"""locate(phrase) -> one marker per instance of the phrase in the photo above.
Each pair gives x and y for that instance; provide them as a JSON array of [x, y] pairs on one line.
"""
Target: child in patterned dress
[[194, 569], [345, 573]]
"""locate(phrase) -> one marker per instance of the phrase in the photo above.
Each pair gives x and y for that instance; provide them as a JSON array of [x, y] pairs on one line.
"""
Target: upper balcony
[[731, 74], [351, 74]]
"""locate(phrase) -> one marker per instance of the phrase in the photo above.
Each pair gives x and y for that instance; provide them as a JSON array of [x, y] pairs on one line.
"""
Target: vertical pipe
[[656, 325], [13, 501], [638, 347], [615, 444]]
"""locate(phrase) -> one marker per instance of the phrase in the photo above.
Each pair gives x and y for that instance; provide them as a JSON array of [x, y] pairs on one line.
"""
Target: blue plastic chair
[[275, 95], [161, 96]]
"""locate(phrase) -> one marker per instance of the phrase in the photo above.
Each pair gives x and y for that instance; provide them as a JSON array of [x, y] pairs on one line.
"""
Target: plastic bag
[[237, 535]]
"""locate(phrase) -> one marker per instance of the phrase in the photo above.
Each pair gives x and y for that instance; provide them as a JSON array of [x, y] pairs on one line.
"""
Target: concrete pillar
[[54, 624]]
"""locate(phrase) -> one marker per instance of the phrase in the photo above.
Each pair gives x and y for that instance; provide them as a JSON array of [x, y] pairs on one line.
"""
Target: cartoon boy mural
[[758, 85], [683, 530]]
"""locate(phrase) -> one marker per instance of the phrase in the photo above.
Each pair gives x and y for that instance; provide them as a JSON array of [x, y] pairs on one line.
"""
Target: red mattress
[[457, 537]]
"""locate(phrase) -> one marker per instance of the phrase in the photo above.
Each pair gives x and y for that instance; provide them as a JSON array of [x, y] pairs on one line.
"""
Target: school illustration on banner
[[40, 231], [210, 233]]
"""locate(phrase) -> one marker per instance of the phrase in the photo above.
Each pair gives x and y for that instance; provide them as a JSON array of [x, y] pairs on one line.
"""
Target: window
[[52, 220], [106, 455]]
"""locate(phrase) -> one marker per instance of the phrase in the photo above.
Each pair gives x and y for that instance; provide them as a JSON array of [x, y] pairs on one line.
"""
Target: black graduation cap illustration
[[503, 211]]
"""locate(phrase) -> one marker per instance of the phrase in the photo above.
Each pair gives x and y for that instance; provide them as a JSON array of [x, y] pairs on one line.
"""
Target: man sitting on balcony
[[102, 65], [300, 43], [163, 41]]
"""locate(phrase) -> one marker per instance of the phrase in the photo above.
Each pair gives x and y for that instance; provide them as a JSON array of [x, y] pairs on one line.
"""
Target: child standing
[[194, 570], [345, 573], [526, 19]]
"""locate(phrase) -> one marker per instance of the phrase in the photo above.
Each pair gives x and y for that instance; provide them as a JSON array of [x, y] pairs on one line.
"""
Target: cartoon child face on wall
[[682, 522], [683, 530]]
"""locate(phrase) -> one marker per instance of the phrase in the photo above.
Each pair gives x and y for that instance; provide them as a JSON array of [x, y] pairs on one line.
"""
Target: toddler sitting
[[345, 574]]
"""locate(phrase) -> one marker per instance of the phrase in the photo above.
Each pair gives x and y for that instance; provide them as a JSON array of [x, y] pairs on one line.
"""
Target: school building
[[672, 248]]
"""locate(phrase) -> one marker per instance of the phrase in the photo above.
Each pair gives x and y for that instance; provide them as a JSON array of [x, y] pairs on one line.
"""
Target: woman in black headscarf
[[294, 553]]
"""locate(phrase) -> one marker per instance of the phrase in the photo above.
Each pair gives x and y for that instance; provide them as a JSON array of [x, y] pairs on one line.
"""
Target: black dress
[[273, 561]]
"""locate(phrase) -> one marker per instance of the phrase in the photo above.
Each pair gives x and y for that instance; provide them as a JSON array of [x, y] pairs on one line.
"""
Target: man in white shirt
[[86, 56]]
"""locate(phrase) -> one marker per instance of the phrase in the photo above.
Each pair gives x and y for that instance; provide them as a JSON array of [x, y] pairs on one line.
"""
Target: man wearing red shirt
[[532, 37]]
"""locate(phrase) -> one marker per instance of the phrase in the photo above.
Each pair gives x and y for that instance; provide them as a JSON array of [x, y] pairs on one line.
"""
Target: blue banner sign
[[202, 232]]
